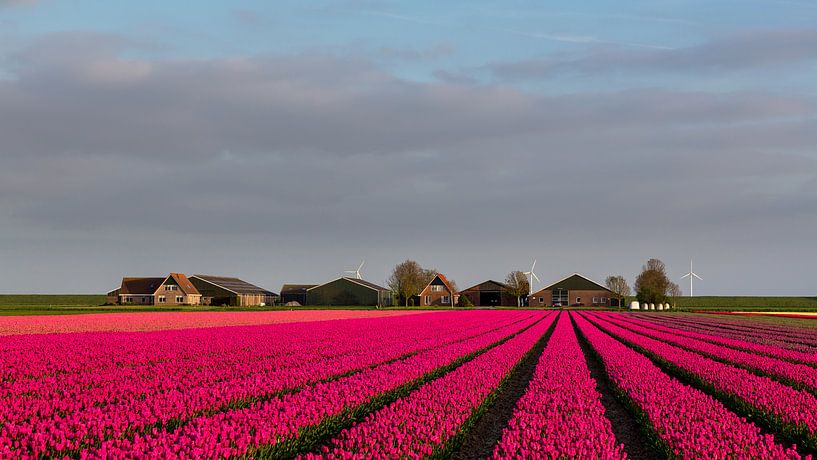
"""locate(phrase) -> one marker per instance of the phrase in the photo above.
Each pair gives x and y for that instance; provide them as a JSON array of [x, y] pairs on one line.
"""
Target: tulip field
[[398, 384]]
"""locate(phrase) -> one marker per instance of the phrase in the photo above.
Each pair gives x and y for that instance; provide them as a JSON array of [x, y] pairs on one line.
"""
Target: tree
[[653, 285], [517, 285], [619, 286], [409, 278], [675, 293]]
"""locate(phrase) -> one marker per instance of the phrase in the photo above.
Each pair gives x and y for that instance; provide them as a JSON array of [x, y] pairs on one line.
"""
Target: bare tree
[[408, 279], [619, 286], [518, 285], [675, 293]]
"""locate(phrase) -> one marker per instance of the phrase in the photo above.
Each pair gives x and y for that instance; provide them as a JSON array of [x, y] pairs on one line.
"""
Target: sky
[[287, 141]]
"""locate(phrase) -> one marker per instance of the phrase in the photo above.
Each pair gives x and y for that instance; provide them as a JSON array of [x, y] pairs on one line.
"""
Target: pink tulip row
[[687, 422], [560, 415], [794, 336], [420, 424], [746, 340], [280, 421], [71, 412], [116, 322], [795, 373], [796, 410]]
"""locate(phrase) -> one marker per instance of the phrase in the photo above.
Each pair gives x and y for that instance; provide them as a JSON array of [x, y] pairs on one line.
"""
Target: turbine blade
[[685, 276], [534, 265], [361, 265], [536, 277], [696, 276]]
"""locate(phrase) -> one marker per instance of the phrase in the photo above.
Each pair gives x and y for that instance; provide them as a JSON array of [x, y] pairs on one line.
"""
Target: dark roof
[[234, 285], [365, 283], [140, 286], [359, 282], [291, 288], [489, 285], [576, 282], [184, 284]]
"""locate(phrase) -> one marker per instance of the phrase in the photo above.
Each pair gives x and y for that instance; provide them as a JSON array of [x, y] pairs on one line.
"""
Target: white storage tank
[[660, 307], [634, 305], [652, 306]]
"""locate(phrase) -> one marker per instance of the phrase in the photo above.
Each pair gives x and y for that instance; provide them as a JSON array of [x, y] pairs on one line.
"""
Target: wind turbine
[[691, 275], [531, 275], [356, 272]]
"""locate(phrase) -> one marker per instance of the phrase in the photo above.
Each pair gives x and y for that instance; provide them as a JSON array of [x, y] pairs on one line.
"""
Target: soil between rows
[[487, 432], [626, 429]]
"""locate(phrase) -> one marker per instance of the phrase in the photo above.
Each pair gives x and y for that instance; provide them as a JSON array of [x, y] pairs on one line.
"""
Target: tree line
[[409, 278]]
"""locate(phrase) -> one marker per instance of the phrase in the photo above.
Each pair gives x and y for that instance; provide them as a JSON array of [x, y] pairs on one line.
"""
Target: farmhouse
[[490, 294], [174, 289], [295, 293], [349, 291], [574, 290], [223, 290], [439, 292]]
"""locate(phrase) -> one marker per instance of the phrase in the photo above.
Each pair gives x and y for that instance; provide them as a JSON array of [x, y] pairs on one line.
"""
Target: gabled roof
[[141, 286], [234, 285], [360, 282], [444, 281], [576, 282], [289, 288], [184, 284], [478, 287]]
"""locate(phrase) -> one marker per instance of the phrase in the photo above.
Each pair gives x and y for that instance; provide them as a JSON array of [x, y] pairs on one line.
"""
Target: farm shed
[[576, 290], [295, 293], [224, 290], [490, 294], [349, 291], [439, 292], [174, 289]]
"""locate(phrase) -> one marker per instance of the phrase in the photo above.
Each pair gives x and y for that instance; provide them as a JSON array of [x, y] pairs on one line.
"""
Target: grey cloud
[[317, 159], [765, 49]]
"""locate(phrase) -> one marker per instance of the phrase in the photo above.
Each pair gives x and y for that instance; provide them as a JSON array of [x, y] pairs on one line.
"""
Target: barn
[[490, 294], [224, 290], [295, 293], [574, 290], [349, 292]]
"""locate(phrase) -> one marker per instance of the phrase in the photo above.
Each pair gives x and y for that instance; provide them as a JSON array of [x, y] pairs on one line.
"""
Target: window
[[436, 288], [162, 299], [171, 287], [428, 300], [128, 299], [595, 300], [446, 299], [541, 299], [179, 299], [578, 300], [604, 300]]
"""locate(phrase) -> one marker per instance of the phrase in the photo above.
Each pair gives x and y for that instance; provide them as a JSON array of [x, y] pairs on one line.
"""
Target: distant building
[[439, 292], [347, 291], [490, 294], [223, 290], [295, 293], [574, 290], [175, 289]]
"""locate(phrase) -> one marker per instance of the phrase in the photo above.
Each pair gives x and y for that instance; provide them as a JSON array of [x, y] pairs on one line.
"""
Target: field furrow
[[425, 422], [684, 421], [561, 414], [279, 424], [787, 411]]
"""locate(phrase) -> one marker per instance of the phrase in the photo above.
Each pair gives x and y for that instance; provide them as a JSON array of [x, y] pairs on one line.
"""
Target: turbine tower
[[356, 272], [531, 275], [691, 275]]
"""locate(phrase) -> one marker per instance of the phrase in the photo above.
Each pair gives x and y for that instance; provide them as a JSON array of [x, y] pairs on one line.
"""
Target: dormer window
[[171, 287]]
